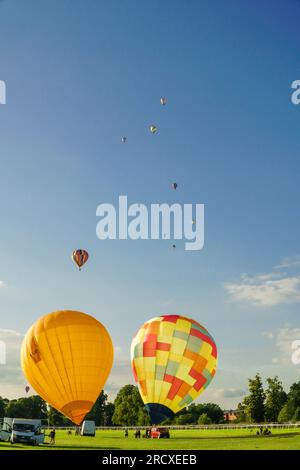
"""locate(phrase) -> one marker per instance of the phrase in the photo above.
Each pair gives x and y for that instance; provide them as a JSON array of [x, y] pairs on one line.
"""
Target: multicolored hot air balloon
[[163, 101], [80, 257], [67, 356], [153, 129], [174, 185], [173, 359]]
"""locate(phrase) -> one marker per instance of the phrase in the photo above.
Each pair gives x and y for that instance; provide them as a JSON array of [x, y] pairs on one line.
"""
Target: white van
[[88, 428], [5, 429], [27, 431]]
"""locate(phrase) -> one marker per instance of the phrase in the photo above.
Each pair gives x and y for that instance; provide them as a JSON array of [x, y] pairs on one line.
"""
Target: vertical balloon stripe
[[80, 257], [51, 364]]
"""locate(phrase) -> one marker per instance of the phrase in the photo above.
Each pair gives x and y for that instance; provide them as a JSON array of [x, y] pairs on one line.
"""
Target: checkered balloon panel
[[173, 359]]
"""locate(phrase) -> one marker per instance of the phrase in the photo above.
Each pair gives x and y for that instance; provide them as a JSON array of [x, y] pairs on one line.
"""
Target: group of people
[[263, 431], [138, 435]]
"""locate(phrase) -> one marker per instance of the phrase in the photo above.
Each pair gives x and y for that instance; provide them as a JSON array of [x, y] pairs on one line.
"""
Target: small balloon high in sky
[[80, 257]]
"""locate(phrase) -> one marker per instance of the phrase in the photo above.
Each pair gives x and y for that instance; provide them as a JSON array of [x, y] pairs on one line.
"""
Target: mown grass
[[232, 439]]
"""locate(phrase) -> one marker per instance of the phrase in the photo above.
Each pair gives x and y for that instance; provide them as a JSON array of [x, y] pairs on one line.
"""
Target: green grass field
[[233, 439]]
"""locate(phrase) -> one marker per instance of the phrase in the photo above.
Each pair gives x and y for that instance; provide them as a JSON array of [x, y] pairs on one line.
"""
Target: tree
[[242, 413], [294, 398], [293, 402], [109, 411], [2, 407], [55, 418], [213, 411], [97, 413], [255, 402], [296, 417], [143, 417], [204, 419], [194, 410], [186, 418], [275, 399], [284, 415], [129, 408], [28, 408]]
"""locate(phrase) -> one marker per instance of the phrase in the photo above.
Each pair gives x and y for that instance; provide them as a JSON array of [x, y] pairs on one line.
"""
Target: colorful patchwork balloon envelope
[[67, 356], [173, 359]]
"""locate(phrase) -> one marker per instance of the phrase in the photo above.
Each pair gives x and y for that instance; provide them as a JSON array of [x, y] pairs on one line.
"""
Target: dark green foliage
[[129, 408]]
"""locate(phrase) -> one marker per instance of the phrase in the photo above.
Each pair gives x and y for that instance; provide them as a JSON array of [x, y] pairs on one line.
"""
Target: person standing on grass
[[52, 437]]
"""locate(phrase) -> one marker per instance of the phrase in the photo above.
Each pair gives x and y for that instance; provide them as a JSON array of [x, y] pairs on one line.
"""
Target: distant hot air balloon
[[66, 356], [173, 359], [80, 257], [124, 140], [153, 129], [163, 101], [174, 186], [173, 246], [27, 389]]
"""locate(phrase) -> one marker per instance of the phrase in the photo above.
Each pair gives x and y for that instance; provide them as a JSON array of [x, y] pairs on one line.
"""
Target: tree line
[[270, 403], [127, 410], [262, 404]]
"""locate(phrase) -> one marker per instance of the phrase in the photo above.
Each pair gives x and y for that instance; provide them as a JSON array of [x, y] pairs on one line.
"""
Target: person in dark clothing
[[52, 437]]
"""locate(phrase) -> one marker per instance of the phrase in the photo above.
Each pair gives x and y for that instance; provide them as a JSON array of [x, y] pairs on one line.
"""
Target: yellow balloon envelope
[[67, 356], [174, 359]]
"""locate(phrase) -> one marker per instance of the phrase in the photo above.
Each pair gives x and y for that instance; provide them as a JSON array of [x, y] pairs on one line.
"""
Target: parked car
[[160, 433]]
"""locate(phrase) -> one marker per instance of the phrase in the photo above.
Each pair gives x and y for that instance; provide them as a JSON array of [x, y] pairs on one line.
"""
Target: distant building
[[231, 415]]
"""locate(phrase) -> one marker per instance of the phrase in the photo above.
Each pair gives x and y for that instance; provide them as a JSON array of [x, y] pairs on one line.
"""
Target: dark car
[[164, 433]]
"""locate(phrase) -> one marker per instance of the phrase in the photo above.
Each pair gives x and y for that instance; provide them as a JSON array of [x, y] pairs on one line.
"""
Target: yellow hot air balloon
[[67, 356], [174, 359]]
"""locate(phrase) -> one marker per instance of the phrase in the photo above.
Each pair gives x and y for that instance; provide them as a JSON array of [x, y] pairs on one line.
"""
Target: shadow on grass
[[57, 447], [250, 436], [72, 447]]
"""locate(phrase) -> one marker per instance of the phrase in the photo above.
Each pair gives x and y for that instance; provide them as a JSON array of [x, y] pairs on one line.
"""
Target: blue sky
[[80, 74]]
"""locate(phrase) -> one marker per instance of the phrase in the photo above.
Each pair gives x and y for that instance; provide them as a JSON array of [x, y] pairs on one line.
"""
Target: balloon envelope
[[80, 257], [173, 359], [153, 129], [66, 356]]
